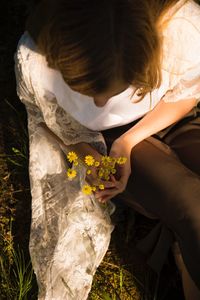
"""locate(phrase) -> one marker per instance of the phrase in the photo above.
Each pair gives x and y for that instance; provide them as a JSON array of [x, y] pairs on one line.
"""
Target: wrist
[[128, 140]]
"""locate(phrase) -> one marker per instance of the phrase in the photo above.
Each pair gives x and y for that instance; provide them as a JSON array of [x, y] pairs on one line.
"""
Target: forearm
[[82, 149], [162, 116]]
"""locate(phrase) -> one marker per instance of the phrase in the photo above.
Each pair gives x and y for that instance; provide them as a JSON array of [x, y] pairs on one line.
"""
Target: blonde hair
[[93, 42]]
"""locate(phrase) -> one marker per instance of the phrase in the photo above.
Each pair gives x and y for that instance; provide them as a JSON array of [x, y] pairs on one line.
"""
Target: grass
[[114, 281], [15, 272], [16, 276]]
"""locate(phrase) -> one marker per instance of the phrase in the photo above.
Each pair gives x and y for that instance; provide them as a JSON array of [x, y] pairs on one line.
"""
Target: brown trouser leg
[[187, 146], [165, 187], [165, 183], [191, 291]]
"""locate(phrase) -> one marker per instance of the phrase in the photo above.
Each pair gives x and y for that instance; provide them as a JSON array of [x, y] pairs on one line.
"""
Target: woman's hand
[[120, 148], [93, 178], [83, 150]]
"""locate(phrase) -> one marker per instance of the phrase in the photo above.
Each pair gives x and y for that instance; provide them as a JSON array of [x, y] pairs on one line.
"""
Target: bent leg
[[191, 292], [163, 186], [187, 147], [186, 144]]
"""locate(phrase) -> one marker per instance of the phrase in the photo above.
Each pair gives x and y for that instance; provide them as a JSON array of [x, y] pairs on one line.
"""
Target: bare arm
[[162, 116], [82, 149]]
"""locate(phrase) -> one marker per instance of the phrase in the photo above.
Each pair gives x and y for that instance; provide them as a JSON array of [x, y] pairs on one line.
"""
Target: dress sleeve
[[181, 59], [188, 87], [42, 106], [62, 123]]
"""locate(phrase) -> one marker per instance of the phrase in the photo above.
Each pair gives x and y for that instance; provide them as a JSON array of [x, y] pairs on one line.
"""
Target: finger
[[107, 195], [123, 180], [101, 194], [108, 184], [119, 185], [118, 188], [107, 198], [113, 179], [93, 180]]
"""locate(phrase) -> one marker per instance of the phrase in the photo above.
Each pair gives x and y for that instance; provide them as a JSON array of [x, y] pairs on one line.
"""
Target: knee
[[152, 145], [152, 156]]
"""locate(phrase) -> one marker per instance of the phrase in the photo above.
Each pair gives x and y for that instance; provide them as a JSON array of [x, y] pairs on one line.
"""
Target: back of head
[[93, 42]]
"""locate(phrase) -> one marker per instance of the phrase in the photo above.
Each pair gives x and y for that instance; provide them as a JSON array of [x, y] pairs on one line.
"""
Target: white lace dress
[[70, 232]]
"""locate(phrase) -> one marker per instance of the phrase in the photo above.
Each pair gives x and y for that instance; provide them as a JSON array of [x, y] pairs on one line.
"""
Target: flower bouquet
[[105, 169]]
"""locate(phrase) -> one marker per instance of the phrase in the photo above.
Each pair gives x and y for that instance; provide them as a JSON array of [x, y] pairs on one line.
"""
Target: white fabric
[[180, 76], [70, 232], [181, 54]]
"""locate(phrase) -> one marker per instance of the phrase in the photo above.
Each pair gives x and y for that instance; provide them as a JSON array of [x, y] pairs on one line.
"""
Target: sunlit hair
[[93, 42]]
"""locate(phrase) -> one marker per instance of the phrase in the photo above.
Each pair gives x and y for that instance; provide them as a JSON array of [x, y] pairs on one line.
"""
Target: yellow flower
[[121, 160], [107, 177], [72, 156], [97, 163], [89, 160], [106, 172], [89, 172], [112, 165], [87, 189], [76, 163], [101, 186], [94, 188], [113, 171], [101, 173], [71, 173], [113, 159], [106, 160]]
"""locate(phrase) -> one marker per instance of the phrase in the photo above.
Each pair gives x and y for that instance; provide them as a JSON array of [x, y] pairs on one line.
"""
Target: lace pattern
[[70, 232], [181, 48], [188, 87]]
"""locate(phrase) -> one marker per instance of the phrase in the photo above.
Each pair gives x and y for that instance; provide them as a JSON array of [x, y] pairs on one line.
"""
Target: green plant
[[113, 281], [23, 274], [16, 278]]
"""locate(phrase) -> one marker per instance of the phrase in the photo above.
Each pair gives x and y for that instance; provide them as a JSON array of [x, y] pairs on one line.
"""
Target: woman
[[128, 71]]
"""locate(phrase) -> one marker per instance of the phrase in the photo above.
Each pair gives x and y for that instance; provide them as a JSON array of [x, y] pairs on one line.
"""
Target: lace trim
[[188, 87]]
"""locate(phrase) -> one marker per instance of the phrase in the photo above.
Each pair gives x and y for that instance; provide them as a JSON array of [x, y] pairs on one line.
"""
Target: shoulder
[[181, 38], [34, 69], [185, 12]]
